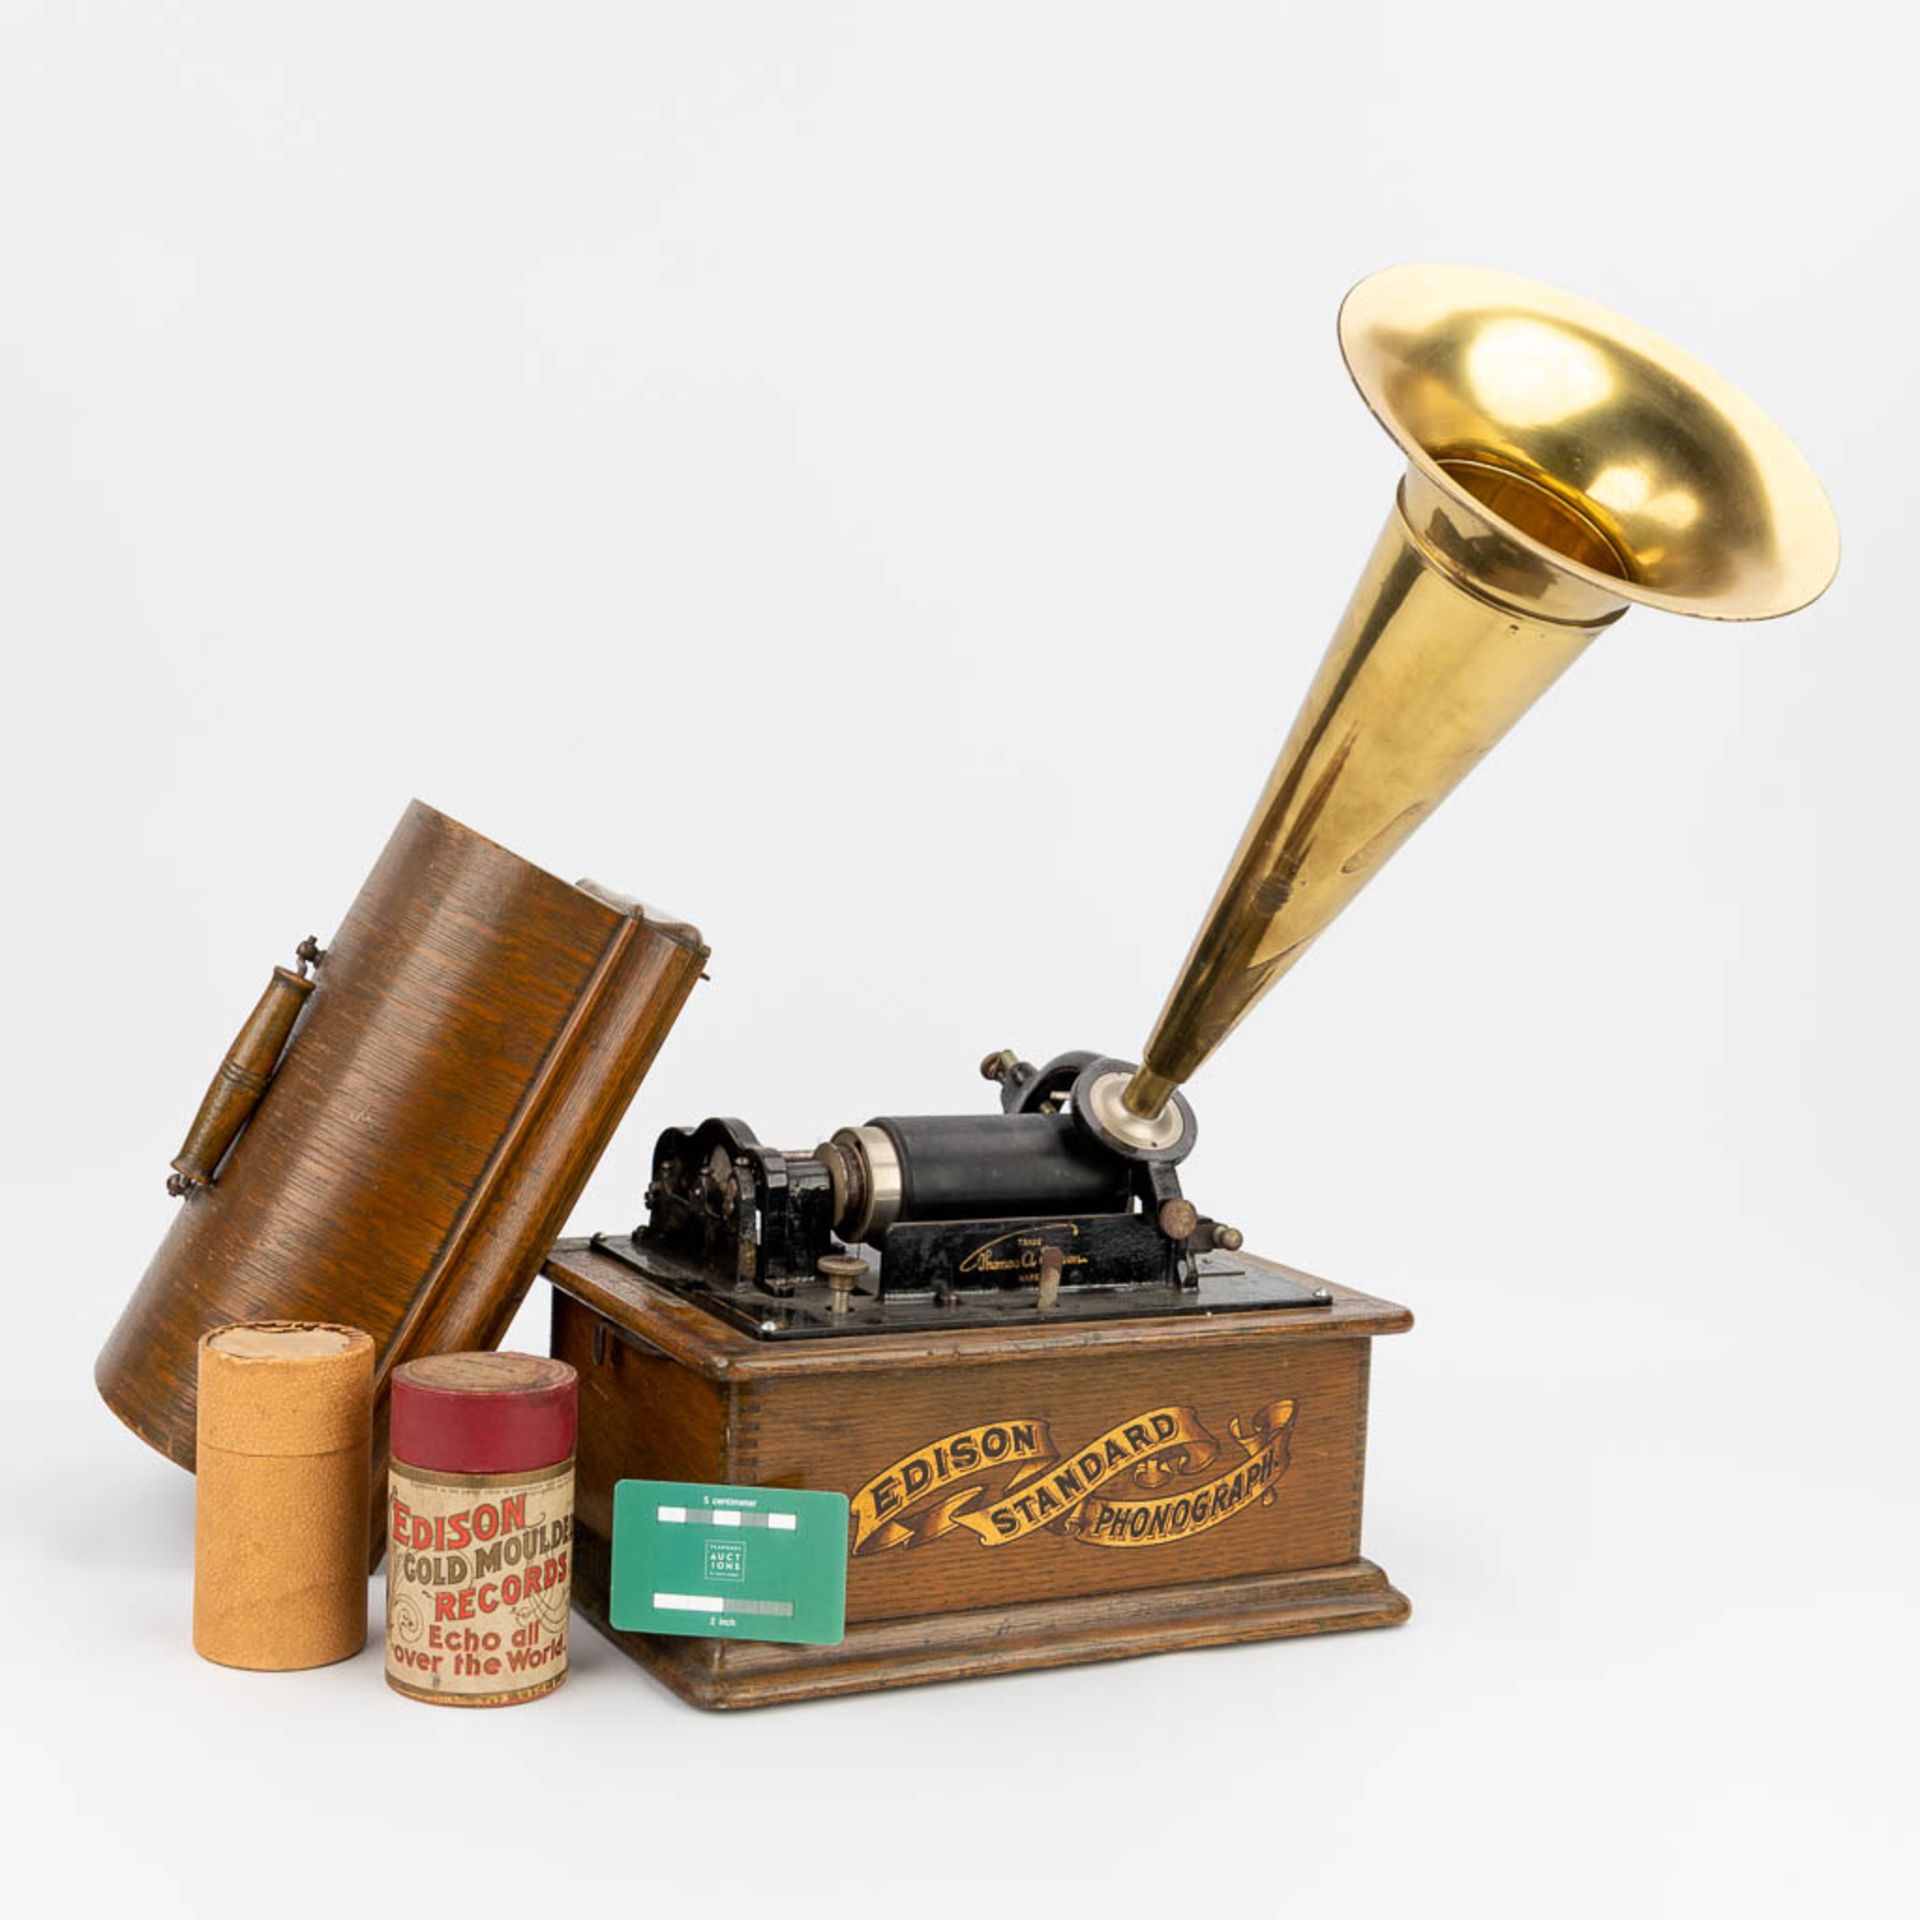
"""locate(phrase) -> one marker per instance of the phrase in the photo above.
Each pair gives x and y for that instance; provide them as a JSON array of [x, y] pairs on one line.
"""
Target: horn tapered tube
[[1422, 678], [1562, 463]]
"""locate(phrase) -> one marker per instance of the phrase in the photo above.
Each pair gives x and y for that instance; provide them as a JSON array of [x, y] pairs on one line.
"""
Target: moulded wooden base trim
[[1045, 1633]]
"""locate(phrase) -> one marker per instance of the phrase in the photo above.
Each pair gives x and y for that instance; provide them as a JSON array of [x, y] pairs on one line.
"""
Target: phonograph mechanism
[[1562, 463]]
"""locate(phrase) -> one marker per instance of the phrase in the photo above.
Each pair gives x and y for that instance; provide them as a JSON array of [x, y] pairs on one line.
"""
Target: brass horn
[[1562, 463]]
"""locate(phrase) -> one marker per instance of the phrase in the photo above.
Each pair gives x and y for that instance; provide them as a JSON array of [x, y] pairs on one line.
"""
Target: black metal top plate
[[1224, 1286]]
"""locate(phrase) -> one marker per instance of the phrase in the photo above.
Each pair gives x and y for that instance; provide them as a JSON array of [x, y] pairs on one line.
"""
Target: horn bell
[[1600, 447]]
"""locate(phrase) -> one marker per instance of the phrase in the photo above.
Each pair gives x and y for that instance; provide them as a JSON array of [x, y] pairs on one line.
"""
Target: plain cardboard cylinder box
[[284, 1435]]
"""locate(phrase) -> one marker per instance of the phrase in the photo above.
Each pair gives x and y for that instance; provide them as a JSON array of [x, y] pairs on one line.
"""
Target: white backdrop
[[666, 436]]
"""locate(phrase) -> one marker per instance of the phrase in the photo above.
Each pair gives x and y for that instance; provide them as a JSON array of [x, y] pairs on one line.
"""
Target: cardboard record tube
[[480, 1524], [281, 1509]]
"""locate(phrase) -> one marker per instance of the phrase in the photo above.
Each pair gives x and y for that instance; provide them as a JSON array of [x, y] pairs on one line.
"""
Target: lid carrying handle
[[244, 1074]]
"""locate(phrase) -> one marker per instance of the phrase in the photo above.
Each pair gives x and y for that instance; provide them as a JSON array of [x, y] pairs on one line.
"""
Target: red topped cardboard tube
[[483, 1412]]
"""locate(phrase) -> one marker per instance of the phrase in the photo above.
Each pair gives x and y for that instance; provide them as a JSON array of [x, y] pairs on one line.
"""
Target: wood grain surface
[[477, 1029]]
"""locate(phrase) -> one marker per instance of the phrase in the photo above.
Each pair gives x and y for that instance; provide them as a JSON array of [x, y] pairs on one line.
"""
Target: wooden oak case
[[1242, 1480], [475, 1033]]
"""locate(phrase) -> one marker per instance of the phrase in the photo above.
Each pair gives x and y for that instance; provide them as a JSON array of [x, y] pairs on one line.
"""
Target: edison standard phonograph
[[1074, 1416], [1069, 1414]]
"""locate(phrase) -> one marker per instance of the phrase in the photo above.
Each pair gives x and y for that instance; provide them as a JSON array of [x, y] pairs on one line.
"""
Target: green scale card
[[729, 1563]]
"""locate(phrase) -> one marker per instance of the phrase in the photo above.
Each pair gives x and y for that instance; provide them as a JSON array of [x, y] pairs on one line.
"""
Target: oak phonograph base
[[1022, 1497]]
